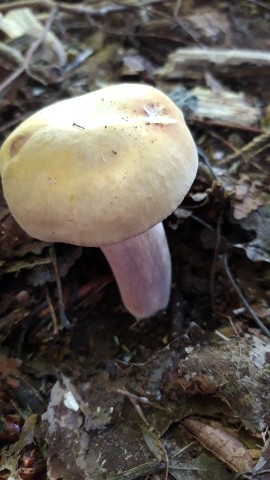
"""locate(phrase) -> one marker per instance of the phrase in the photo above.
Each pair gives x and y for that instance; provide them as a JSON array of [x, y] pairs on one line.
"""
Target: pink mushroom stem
[[142, 268]]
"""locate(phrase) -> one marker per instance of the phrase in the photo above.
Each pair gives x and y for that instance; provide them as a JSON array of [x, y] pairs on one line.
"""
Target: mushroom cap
[[99, 168]]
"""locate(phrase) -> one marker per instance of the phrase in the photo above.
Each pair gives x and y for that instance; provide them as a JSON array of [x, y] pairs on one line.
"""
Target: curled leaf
[[222, 444]]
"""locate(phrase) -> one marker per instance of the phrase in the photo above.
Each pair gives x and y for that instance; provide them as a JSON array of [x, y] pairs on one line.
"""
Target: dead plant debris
[[85, 392]]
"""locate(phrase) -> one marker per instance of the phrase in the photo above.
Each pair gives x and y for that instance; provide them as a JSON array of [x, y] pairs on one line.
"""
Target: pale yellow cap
[[100, 168]]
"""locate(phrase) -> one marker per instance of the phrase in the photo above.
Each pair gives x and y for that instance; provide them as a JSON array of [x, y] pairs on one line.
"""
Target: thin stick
[[206, 160], [52, 312], [243, 298], [260, 4], [214, 262], [79, 8], [139, 399], [256, 146], [64, 320]]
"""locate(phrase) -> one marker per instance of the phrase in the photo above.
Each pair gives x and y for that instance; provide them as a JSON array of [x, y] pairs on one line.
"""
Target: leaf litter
[[184, 395]]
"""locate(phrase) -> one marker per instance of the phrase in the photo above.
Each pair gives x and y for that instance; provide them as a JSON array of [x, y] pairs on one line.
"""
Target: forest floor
[[85, 391]]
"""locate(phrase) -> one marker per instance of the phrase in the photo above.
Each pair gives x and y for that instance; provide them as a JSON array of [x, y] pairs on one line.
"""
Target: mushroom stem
[[142, 268]]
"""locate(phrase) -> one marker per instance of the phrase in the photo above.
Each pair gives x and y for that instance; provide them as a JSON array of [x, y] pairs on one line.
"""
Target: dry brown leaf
[[248, 197], [9, 370], [222, 444], [154, 443], [226, 370]]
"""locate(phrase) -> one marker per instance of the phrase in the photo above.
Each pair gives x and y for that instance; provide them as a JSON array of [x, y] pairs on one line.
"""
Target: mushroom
[[104, 169]]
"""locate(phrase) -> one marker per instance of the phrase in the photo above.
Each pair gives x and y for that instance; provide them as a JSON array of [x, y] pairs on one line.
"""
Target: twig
[[134, 399], [52, 312], [65, 7], [143, 400], [5, 7], [206, 160], [222, 140], [260, 4], [202, 222], [176, 8], [33, 390], [179, 22], [64, 320], [214, 262], [243, 298], [30, 52], [256, 146], [222, 336], [138, 410], [207, 225]]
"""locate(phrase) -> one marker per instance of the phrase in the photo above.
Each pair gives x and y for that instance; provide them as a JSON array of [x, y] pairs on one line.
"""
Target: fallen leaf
[[258, 222], [222, 444], [9, 368], [248, 197]]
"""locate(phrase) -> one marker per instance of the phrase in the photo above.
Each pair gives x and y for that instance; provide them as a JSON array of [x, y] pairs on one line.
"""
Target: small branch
[[214, 262], [174, 18], [139, 399], [176, 8], [79, 8], [256, 146], [139, 411], [64, 320], [260, 4], [206, 160], [243, 298], [52, 312], [6, 7]]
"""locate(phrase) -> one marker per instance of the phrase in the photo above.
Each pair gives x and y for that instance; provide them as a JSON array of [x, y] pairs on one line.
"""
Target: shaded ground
[[184, 395]]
